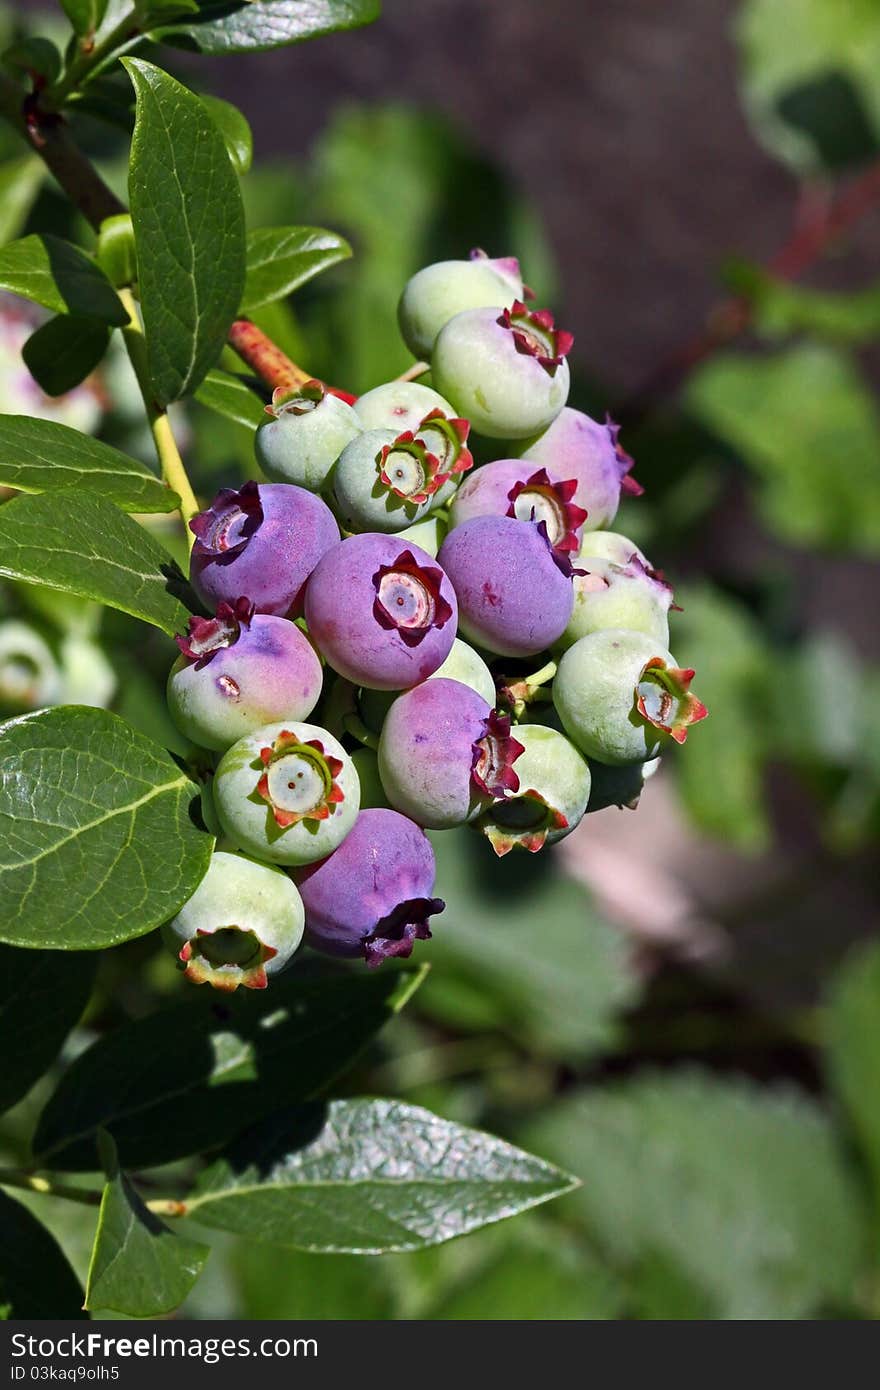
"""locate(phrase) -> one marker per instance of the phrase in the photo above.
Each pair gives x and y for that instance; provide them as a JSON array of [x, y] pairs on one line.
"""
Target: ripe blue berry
[[576, 446], [238, 671], [373, 896], [621, 697], [444, 754], [399, 406], [506, 372], [308, 430], [510, 487], [382, 613], [554, 788], [287, 792], [242, 924], [514, 591], [438, 292], [463, 664], [263, 541]]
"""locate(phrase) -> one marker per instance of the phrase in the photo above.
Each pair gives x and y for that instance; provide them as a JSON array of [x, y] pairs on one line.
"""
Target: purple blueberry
[[238, 671], [263, 541], [576, 446], [444, 754], [371, 897], [509, 487], [514, 590], [381, 611]]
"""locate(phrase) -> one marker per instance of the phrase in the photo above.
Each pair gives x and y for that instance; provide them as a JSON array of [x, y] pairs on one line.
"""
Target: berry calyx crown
[[522, 822], [226, 957], [408, 598], [224, 529], [663, 698], [395, 934], [493, 756], [300, 780], [205, 637], [535, 335], [296, 400], [549, 502]]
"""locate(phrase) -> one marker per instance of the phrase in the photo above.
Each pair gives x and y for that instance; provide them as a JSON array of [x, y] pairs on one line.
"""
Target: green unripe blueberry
[[242, 924], [288, 793], [29, 674], [627, 596], [621, 697], [608, 545], [616, 786], [554, 788], [380, 484], [305, 435], [429, 533], [367, 764], [462, 664], [399, 406], [437, 293]]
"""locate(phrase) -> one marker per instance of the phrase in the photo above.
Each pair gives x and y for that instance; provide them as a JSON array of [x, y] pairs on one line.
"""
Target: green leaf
[[138, 1265], [721, 778], [741, 1191], [368, 1177], [61, 277], [20, 181], [36, 1280], [191, 1077], [280, 259], [36, 55], [43, 456], [229, 396], [189, 230], [99, 838], [251, 25], [808, 428], [232, 125], [42, 996], [84, 545], [782, 309], [64, 351], [854, 1050], [529, 940], [810, 80], [85, 15]]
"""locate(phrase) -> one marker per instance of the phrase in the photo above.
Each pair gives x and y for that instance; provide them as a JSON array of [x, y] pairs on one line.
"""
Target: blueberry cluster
[[384, 587]]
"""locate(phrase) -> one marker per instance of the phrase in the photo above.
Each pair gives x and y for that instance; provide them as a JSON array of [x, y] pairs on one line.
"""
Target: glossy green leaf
[[61, 277], [854, 1050], [100, 841], [229, 396], [64, 351], [721, 778], [368, 1176], [280, 259], [36, 1280], [249, 25], [44, 456], [233, 126], [810, 81], [190, 1078], [85, 15], [20, 181], [42, 995], [742, 1190], [138, 1265], [84, 545], [808, 428], [530, 942], [189, 231]]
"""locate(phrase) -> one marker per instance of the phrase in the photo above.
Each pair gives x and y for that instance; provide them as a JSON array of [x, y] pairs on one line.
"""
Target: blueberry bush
[[304, 673]]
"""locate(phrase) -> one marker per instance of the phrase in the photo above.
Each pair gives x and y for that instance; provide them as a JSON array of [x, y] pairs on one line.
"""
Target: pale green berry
[[438, 292], [554, 789], [307, 432], [429, 533], [29, 674], [608, 545], [399, 406], [382, 484], [627, 596], [287, 792]]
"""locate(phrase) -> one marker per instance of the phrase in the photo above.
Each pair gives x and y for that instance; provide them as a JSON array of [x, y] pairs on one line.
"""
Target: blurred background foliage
[[682, 1006]]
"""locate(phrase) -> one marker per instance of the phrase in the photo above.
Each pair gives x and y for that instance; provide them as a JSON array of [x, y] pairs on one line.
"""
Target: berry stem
[[355, 726], [415, 371], [541, 677], [174, 473], [14, 1177], [274, 368]]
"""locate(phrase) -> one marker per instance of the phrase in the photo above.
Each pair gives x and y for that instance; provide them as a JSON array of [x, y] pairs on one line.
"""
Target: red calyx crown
[[408, 598], [225, 527], [568, 515], [535, 335], [494, 754], [323, 764], [663, 698], [207, 636]]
